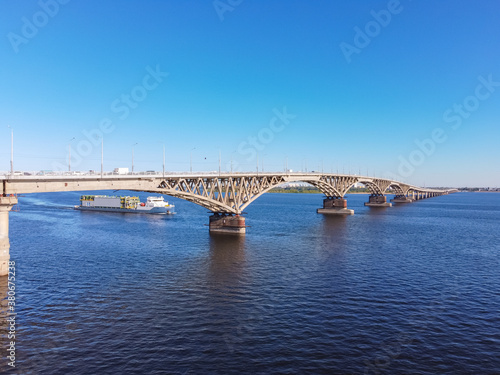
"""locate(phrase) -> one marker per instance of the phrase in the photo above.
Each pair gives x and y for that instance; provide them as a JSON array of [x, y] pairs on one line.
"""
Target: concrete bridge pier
[[335, 206], [378, 200], [401, 199], [227, 223], [6, 204]]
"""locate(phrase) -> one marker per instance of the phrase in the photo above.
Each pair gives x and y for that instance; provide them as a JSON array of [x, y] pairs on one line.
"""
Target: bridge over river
[[226, 195]]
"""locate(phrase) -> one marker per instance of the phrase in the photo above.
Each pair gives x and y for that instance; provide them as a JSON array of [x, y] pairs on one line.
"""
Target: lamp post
[[191, 160], [163, 161], [219, 160], [102, 156], [232, 153], [133, 156], [11, 151]]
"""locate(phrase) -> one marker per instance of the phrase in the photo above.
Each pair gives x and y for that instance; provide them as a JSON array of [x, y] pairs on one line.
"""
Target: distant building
[[120, 171], [296, 184]]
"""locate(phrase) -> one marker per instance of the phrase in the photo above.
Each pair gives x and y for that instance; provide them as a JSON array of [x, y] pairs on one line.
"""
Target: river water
[[413, 288]]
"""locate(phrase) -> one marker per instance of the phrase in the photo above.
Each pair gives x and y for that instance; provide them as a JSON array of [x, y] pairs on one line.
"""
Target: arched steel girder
[[325, 188], [256, 196], [205, 202], [397, 188], [332, 185], [232, 194], [376, 186], [224, 194]]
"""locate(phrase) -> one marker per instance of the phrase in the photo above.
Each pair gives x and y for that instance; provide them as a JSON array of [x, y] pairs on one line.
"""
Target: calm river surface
[[412, 289]]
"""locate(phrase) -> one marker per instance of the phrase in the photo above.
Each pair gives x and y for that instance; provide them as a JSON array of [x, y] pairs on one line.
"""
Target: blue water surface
[[414, 288]]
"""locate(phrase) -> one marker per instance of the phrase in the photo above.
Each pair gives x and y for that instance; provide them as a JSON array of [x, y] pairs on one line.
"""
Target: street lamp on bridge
[[11, 151], [163, 160], [102, 156], [191, 160], [263, 162], [69, 156], [219, 160], [232, 153]]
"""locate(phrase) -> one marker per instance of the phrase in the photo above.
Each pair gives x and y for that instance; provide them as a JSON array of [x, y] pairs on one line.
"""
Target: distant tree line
[[311, 190]]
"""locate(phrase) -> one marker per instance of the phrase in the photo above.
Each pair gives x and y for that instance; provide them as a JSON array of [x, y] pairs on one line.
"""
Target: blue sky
[[278, 78]]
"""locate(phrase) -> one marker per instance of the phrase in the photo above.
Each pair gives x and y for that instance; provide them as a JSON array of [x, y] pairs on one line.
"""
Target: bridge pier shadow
[[226, 259]]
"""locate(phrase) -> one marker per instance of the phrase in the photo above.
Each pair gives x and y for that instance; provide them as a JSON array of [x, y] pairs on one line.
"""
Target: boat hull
[[153, 210]]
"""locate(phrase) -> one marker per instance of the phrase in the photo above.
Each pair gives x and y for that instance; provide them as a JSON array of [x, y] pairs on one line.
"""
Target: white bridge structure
[[226, 195]]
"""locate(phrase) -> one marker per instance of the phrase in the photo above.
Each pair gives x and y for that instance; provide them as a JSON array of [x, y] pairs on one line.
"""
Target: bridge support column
[[335, 206], [6, 204], [401, 199], [377, 201], [227, 223]]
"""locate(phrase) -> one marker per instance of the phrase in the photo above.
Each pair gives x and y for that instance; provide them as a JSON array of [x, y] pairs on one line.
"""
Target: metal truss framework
[[232, 193]]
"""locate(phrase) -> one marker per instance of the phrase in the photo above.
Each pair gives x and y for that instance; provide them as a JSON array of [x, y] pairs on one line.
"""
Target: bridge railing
[[66, 174], [53, 175]]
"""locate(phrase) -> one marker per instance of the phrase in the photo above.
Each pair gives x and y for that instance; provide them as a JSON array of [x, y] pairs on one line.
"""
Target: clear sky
[[407, 89]]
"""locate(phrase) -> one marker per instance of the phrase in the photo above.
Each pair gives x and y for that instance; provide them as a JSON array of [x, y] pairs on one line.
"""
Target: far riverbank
[[312, 190]]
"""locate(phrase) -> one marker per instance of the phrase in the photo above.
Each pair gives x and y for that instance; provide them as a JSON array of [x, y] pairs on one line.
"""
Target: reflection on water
[[227, 273], [300, 293], [226, 256], [334, 224]]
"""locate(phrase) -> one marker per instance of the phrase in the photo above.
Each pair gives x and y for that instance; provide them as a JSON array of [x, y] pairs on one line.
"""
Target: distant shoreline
[[308, 191], [312, 192], [289, 191]]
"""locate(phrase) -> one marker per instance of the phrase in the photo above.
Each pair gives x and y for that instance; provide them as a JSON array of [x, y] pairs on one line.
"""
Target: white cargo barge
[[105, 203]]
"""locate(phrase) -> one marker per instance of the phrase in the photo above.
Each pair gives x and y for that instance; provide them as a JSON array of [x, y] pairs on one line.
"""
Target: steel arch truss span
[[331, 185], [231, 194], [225, 194]]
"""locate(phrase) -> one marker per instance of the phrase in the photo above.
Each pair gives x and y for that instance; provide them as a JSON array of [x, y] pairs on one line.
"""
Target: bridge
[[226, 195]]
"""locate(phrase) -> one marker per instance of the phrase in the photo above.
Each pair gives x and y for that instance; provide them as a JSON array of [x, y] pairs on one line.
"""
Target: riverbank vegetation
[[311, 190]]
